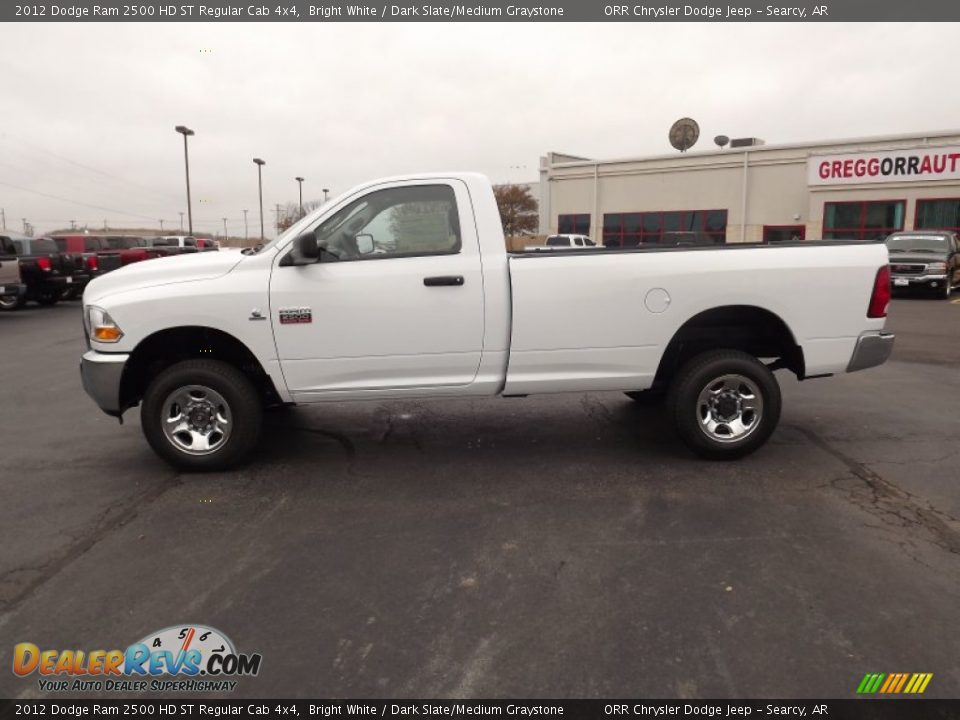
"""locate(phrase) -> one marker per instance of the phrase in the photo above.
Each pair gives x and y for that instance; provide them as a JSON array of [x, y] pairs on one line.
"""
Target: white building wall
[[775, 191]]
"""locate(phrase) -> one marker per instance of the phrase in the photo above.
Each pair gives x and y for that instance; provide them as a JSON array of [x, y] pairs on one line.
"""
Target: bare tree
[[290, 212], [518, 209]]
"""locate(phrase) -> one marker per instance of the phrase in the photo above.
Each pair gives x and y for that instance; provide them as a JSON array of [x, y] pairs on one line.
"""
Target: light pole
[[224, 228], [185, 131], [161, 225], [181, 222], [260, 163], [246, 233], [300, 186], [326, 193]]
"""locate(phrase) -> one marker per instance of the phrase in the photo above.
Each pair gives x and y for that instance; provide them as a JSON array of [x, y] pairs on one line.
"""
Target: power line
[[89, 168]]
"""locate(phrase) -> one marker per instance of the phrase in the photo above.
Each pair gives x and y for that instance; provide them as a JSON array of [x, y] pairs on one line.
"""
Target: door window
[[397, 222]]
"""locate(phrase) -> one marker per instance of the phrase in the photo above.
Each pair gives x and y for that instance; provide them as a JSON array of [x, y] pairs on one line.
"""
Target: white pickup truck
[[402, 288]]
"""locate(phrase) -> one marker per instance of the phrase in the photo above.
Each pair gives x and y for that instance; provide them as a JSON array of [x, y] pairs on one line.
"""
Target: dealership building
[[861, 188]]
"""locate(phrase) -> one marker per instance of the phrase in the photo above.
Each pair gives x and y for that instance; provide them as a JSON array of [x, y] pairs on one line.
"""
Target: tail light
[[92, 263], [44, 264], [880, 298]]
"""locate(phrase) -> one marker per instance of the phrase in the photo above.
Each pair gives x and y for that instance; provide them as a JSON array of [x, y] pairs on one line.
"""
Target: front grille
[[907, 269]]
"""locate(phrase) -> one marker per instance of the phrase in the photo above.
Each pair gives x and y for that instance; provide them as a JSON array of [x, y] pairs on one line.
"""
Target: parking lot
[[562, 546]]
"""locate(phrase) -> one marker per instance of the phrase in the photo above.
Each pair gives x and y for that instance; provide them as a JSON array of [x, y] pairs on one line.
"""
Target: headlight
[[101, 327], [937, 267]]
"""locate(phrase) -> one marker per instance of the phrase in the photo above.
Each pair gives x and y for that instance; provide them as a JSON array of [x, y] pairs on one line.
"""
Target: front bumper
[[872, 349], [914, 280], [101, 374]]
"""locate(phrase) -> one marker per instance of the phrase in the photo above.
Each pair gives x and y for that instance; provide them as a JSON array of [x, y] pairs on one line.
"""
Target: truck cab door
[[393, 303]]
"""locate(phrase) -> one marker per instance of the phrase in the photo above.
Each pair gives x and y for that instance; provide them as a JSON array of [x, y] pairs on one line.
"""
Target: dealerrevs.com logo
[[181, 658]]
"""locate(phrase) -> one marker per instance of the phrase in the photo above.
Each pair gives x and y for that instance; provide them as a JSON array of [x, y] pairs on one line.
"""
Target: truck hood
[[162, 271], [898, 258]]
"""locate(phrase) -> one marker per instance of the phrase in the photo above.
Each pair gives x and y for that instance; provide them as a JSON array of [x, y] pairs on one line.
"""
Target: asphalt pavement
[[559, 546]]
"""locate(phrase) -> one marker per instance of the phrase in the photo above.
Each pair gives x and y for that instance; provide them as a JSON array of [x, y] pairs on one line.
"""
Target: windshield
[[122, 243], [923, 243]]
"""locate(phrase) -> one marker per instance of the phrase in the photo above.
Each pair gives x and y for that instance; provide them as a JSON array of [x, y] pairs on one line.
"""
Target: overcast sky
[[89, 110]]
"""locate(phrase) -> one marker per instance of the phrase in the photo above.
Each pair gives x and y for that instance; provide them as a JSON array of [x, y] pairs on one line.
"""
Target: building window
[[574, 224], [784, 233], [682, 227], [938, 215], [872, 220]]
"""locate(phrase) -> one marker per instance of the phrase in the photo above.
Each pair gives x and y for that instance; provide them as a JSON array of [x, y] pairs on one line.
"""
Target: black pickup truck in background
[[46, 272], [926, 259]]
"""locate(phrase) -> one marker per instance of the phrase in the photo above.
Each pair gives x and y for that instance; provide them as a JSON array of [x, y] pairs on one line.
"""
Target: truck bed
[[605, 318]]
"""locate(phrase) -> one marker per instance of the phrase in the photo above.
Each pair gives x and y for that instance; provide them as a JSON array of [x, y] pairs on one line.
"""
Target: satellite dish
[[684, 134], [721, 140]]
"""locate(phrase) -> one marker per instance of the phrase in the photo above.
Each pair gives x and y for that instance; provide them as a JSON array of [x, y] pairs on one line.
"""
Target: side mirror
[[365, 244], [305, 250]]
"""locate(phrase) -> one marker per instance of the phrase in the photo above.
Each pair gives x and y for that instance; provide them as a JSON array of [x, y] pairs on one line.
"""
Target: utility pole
[[161, 225], [24, 225], [260, 163], [246, 233], [326, 194], [278, 219], [73, 224], [181, 221], [300, 186], [224, 228]]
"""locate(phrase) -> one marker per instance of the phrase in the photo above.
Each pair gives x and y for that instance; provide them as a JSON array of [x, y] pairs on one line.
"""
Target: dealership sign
[[915, 164]]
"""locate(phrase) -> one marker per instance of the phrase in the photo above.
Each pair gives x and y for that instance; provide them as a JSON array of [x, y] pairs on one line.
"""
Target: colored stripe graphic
[[894, 683]]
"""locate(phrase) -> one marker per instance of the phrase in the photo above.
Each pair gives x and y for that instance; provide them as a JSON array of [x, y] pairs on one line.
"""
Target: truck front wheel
[[724, 404], [201, 415]]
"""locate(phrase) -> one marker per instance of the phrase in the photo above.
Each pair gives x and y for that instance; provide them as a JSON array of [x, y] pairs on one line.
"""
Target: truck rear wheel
[[11, 302], [201, 415], [724, 404]]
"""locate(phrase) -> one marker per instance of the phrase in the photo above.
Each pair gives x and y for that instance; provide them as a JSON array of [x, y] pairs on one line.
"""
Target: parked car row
[[49, 269]]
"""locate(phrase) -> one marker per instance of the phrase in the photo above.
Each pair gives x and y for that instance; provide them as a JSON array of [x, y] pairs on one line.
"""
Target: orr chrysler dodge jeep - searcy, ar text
[[402, 288]]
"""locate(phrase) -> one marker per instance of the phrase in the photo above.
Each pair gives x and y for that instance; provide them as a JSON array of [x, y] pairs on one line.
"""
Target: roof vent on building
[[745, 142]]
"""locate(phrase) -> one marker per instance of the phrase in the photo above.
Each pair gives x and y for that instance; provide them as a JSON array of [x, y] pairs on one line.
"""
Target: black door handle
[[438, 280]]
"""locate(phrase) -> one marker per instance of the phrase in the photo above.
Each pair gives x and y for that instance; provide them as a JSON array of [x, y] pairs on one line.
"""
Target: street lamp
[[185, 131], [260, 163], [300, 184], [326, 193]]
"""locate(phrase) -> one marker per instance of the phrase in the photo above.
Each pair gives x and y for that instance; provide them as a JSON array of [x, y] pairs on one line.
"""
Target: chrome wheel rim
[[196, 419], [729, 408]]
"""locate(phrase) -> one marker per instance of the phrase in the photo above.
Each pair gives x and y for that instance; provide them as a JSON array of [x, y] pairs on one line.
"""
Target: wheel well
[[751, 329], [166, 347]]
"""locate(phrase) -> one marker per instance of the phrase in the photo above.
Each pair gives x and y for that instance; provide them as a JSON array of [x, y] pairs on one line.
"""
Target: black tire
[[245, 411], [693, 380], [9, 303], [48, 297], [647, 397]]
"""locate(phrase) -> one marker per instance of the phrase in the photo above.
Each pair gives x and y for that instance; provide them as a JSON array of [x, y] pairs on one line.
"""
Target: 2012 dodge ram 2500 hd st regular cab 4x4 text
[[402, 288]]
